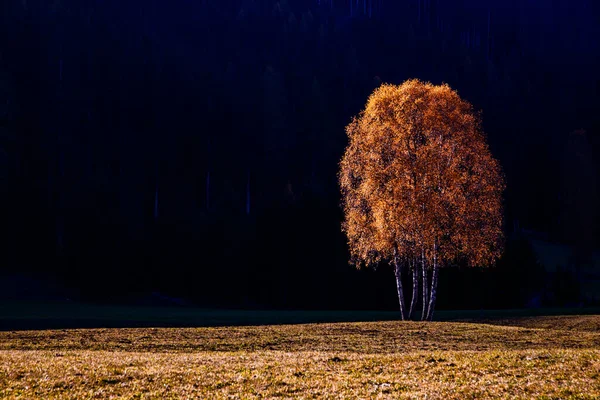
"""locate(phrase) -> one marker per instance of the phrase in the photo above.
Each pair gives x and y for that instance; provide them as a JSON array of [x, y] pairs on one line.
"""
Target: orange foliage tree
[[420, 187]]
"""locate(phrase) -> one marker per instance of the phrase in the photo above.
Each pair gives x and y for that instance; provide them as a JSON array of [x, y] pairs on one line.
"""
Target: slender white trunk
[[398, 273], [433, 296], [415, 289], [434, 282], [424, 280]]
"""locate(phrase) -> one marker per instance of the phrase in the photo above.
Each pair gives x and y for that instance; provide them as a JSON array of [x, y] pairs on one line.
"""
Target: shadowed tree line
[[191, 148]]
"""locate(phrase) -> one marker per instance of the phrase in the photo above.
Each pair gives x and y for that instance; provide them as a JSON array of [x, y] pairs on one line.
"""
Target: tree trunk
[[208, 190], [156, 203], [487, 55], [415, 289], [248, 194], [425, 288], [434, 281], [398, 273], [155, 209]]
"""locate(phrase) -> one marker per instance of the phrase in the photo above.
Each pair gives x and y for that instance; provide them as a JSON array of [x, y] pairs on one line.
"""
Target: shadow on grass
[[39, 316]]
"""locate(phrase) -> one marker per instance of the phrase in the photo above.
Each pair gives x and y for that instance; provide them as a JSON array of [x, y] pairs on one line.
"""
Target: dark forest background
[[190, 148]]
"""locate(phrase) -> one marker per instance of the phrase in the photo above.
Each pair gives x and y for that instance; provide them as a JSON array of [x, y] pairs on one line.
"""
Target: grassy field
[[548, 357]]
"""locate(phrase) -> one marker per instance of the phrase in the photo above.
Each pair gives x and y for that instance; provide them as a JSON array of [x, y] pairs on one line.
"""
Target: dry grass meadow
[[539, 357]]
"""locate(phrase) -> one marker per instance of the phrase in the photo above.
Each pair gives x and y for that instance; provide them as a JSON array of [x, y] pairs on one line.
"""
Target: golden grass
[[348, 360], [567, 322]]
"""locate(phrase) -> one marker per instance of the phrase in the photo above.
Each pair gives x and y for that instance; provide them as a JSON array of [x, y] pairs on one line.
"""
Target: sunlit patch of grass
[[347, 360], [590, 323]]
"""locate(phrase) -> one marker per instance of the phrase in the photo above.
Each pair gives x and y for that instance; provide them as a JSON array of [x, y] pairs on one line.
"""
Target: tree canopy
[[419, 181]]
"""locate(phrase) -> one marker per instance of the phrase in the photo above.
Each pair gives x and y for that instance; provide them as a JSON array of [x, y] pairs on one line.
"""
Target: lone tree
[[420, 187]]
